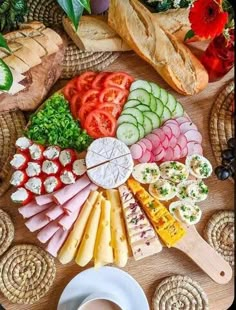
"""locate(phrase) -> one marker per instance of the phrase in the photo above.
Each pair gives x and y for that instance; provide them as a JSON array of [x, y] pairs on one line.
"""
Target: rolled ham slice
[[69, 191], [32, 209], [79, 199], [44, 199], [37, 222], [53, 213], [48, 231], [57, 241], [68, 220]]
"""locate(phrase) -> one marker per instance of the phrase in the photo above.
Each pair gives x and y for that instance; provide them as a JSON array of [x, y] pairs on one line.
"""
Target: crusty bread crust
[[170, 57]]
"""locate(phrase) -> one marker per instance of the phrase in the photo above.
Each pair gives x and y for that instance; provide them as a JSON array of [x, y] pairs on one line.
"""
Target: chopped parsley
[[164, 191], [204, 169]]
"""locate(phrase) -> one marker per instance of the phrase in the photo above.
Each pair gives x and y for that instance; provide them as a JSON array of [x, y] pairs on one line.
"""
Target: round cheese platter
[[111, 167]]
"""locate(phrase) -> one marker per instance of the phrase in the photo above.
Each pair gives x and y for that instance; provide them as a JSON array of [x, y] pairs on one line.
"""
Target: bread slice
[[170, 57], [49, 46], [53, 36], [16, 63], [94, 34], [32, 45], [30, 57]]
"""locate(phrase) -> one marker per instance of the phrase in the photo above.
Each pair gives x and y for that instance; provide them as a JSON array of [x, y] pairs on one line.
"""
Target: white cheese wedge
[[199, 166], [142, 237]]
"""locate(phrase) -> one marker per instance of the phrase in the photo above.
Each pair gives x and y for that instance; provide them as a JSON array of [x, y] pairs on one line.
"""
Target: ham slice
[[48, 231], [68, 220], [53, 213], [79, 199], [44, 199], [57, 241], [37, 222], [69, 191], [32, 209]]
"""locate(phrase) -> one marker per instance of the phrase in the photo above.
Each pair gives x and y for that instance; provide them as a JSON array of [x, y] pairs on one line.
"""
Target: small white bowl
[[101, 296]]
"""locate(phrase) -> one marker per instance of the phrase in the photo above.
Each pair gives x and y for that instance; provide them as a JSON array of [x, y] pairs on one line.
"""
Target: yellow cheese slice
[[103, 253], [86, 249], [118, 232], [70, 247]]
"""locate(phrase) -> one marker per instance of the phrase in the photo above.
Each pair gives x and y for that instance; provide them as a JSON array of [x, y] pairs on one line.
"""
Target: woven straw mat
[[219, 233], [12, 124], [6, 231], [75, 61], [222, 121], [179, 292], [27, 273]]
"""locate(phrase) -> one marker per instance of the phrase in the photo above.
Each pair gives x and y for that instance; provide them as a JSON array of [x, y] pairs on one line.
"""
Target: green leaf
[[6, 78], [86, 5], [3, 43], [73, 9], [190, 34]]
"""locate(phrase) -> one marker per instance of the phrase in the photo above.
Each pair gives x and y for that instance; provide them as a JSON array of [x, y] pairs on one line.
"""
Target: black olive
[[222, 172], [226, 162], [228, 154], [231, 143]]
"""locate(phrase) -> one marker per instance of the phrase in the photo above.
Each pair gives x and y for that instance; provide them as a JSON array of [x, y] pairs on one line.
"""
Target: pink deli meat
[[44, 199], [37, 222], [54, 212], [68, 220], [32, 209], [48, 231], [57, 241], [69, 191], [79, 199]]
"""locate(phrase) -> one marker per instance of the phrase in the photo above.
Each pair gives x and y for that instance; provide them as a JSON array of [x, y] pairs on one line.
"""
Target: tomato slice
[[113, 95], [85, 110], [85, 80], [98, 82], [100, 123], [112, 108], [75, 104], [91, 95], [70, 89], [119, 79]]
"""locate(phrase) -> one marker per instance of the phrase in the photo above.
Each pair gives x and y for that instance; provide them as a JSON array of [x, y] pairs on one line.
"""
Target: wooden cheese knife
[[204, 256]]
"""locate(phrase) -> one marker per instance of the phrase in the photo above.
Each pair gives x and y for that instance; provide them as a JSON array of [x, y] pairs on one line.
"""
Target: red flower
[[208, 18]]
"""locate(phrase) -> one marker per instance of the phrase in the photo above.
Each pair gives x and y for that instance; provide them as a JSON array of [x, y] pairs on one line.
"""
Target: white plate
[[106, 279]]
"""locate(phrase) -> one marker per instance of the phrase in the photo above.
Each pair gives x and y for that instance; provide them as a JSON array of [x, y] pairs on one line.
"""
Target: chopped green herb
[[163, 191]]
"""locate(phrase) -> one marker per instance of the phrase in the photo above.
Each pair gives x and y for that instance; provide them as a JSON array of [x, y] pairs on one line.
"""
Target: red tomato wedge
[[75, 104], [100, 123], [85, 110], [91, 95], [119, 79], [98, 82], [112, 108], [85, 80], [113, 95], [70, 89]]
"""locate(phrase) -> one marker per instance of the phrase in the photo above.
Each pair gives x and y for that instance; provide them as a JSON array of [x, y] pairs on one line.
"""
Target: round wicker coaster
[[12, 125], [6, 231], [222, 121], [219, 233], [75, 61], [27, 273], [179, 292]]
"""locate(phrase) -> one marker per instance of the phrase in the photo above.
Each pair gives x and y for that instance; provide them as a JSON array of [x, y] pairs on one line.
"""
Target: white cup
[[101, 296]]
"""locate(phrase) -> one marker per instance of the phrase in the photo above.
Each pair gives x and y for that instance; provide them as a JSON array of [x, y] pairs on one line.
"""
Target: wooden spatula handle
[[205, 256]]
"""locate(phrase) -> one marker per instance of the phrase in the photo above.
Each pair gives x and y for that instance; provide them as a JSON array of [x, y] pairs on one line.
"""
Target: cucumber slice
[[160, 107], [171, 103], [153, 103], [163, 96], [147, 125], [154, 119], [127, 118], [156, 90], [140, 94], [141, 131], [134, 112], [166, 114], [6, 78], [132, 103], [127, 133], [179, 110], [142, 107], [141, 84]]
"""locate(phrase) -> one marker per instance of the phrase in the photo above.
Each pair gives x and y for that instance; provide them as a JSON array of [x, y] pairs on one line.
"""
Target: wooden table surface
[[149, 271]]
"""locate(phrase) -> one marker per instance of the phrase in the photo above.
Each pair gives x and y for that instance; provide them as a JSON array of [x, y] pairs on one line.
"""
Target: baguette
[[94, 34], [169, 57]]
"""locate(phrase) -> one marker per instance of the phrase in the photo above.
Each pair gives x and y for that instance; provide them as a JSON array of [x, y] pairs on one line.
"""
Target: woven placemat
[[219, 233], [75, 61], [179, 292], [27, 272], [7, 231], [222, 121], [12, 125]]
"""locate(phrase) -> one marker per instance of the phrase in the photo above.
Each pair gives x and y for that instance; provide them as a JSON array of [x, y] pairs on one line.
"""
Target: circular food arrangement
[[108, 163]]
